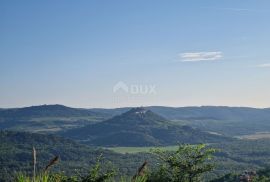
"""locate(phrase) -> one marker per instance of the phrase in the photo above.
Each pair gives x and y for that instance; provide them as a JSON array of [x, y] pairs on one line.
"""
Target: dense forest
[[140, 127], [231, 121], [94, 134], [229, 159], [16, 154]]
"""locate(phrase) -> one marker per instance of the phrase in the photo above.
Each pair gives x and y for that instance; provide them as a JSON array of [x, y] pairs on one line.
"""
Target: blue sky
[[192, 52]]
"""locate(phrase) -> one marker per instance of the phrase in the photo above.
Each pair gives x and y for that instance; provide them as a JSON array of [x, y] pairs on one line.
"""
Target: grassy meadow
[[132, 150]]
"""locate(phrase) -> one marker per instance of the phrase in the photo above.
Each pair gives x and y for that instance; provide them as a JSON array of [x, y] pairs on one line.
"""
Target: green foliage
[[140, 127], [140, 179], [37, 178], [227, 178], [47, 118], [16, 147], [59, 177], [22, 178], [187, 164], [231, 121], [261, 179], [16, 155], [96, 175], [263, 175], [134, 150]]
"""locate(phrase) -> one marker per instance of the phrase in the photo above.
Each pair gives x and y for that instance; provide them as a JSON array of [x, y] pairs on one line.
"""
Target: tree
[[187, 164]]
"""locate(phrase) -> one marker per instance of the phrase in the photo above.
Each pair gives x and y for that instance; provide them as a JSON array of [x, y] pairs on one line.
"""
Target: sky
[[119, 53]]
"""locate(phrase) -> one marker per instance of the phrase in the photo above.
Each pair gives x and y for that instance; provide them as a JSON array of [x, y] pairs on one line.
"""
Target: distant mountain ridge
[[232, 121], [206, 112], [47, 118], [214, 112], [46, 111], [139, 127]]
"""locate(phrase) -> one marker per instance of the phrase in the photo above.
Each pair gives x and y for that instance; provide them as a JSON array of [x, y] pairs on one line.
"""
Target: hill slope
[[203, 112], [16, 155], [45, 111], [231, 121], [139, 127], [225, 120], [47, 118]]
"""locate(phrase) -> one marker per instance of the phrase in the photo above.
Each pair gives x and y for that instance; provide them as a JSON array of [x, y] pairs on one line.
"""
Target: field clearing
[[256, 136], [132, 150]]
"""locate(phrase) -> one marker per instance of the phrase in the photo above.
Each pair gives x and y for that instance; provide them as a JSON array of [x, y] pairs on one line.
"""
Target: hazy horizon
[[94, 54], [134, 106]]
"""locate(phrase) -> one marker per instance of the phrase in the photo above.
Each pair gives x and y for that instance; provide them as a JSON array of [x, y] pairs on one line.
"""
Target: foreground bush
[[187, 164]]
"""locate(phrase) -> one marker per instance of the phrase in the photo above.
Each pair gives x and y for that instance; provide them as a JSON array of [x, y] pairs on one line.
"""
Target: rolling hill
[[45, 111], [231, 121], [47, 118], [139, 127], [202, 112], [16, 155]]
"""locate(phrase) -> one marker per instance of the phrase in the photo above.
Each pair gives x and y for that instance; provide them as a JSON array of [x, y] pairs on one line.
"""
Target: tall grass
[[43, 176], [95, 173], [34, 152], [38, 178]]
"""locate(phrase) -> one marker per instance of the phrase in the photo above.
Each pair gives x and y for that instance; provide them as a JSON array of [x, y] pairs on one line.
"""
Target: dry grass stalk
[[34, 153], [52, 162], [140, 171]]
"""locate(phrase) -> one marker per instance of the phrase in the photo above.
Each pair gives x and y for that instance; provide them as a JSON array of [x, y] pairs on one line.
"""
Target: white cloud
[[200, 56], [266, 65], [231, 9], [237, 9]]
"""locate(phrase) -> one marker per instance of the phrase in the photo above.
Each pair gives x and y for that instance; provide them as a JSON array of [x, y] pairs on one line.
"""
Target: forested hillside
[[224, 120], [16, 155], [47, 118], [140, 127], [231, 121]]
